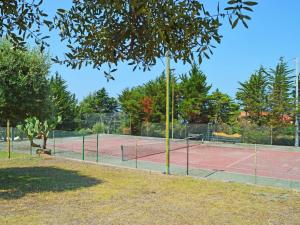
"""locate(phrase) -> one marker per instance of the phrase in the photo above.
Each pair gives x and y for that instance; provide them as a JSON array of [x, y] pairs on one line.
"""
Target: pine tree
[[193, 96], [281, 101], [252, 96], [98, 102], [63, 101]]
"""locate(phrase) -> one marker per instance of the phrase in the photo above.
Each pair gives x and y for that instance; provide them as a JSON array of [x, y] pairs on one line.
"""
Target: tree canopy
[[139, 32], [98, 102], [281, 99], [192, 101], [24, 88], [252, 95], [222, 109], [136, 31], [193, 96], [268, 96], [21, 20]]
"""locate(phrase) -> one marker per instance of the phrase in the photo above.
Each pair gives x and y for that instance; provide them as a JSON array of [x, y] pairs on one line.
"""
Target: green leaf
[[245, 24], [250, 3], [235, 23]]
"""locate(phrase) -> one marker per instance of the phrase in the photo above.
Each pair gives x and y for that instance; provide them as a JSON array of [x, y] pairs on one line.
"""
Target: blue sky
[[273, 32]]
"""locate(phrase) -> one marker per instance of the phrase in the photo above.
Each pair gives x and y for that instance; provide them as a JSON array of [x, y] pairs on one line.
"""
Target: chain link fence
[[256, 155]]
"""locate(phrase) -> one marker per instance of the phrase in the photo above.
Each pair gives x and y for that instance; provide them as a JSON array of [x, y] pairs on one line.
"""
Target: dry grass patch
[[38, 191]]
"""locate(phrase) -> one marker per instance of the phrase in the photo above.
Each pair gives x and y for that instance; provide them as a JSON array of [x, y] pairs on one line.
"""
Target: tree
[[222, 109], [193, 96], [131, 103], [44, 128], [139, 32], [24, 88], [33, 127], [253, 95], [98, 102], [156, 89], [30, 129], [147, 104], [281, 101], [64, 102]]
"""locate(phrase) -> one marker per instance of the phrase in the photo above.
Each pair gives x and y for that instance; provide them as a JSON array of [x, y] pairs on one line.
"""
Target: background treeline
[[27, 89]]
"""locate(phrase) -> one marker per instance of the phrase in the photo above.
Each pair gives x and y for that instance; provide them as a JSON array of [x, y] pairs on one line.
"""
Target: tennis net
[[130, 152]]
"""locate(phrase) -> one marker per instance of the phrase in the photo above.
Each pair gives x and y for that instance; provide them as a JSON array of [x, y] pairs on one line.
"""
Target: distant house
[[285, 118]]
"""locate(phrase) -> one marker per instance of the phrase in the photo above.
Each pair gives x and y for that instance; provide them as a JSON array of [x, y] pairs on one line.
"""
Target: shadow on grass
[[16, 182]]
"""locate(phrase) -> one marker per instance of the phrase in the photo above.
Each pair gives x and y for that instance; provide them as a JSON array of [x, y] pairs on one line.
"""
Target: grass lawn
[[55, 191], [4, 155]]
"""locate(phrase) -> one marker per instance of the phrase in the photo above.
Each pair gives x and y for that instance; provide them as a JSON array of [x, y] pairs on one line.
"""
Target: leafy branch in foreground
[[21, 20], [140, 31]]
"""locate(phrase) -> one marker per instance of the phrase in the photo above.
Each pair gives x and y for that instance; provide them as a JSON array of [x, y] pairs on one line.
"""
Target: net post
[[97, 154], [83, 147], [187, 155], [122, 152]]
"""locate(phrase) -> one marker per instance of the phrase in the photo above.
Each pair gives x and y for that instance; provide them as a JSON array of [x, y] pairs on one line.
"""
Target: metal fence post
[[187, 156], [271, 135], [83, 147], [53, 141], [8, 138], [97, 156], [122, 152], [12, 138], [136, 156]]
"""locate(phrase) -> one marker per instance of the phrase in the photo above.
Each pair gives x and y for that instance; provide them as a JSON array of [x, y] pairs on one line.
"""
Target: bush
[[99, 128], [85, 131], [153, 130]]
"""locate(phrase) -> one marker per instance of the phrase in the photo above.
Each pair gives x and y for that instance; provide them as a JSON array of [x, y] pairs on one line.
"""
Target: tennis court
[[256, 160]]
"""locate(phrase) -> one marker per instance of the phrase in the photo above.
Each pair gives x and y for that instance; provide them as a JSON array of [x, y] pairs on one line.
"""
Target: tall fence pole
[[173, 105], [167, 112], [297, 102], [97, 156], [83, 147]]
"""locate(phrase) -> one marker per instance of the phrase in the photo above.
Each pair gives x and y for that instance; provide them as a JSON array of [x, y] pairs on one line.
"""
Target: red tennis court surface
[[265, 161]]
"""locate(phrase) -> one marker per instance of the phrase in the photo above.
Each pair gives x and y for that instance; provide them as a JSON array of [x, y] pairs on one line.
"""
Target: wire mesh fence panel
[[66, 144], [277, 167], [89, 148], [153, 129], [248, 154]]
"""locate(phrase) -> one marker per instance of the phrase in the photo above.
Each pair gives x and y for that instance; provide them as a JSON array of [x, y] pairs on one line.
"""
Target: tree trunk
[[44, 142]]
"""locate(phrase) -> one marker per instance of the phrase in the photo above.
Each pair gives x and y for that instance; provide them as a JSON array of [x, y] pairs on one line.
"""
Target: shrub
[[99, 128]]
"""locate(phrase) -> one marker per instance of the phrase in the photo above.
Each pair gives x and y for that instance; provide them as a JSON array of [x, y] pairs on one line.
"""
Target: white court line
[[238, 161]]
